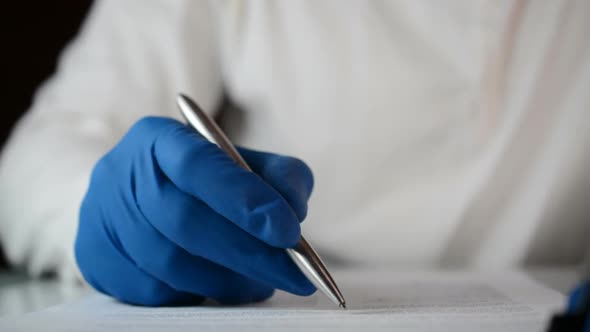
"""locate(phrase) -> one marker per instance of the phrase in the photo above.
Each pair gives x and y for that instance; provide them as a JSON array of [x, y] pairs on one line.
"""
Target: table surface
[[21, 294]]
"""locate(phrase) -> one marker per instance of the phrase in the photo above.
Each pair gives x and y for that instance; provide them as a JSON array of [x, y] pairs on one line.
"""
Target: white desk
[[21, 294]]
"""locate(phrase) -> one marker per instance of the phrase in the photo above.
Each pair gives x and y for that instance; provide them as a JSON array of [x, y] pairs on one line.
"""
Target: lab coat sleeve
[[129, 60]]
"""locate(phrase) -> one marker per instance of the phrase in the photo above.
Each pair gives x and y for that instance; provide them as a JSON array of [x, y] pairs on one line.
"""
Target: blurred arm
[[129, 60]]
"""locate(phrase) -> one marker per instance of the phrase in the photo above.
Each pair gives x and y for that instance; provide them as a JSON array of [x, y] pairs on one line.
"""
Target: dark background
[[33, 34]]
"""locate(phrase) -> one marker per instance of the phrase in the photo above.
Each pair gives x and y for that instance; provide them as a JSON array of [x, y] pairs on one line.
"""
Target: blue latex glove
[[579, 303], [170, 219]]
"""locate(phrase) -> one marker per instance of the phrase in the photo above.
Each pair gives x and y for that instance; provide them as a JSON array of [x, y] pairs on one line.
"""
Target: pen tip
[[343, 305]]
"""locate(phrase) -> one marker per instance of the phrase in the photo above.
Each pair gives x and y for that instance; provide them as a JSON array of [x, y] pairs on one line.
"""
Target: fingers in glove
[[202, 170], [107, 267], [201, 231], [290, 176]]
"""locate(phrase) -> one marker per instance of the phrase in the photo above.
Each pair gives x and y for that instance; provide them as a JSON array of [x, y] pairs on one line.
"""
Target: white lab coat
[[440, 133]]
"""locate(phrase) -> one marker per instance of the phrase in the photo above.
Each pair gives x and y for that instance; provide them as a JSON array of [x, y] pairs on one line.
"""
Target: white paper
[[377, 301]]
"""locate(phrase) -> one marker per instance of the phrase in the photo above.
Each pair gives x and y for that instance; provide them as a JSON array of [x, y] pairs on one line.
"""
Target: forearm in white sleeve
[[129, 60]]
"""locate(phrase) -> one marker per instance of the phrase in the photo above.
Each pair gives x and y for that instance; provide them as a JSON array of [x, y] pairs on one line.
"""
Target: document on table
[[380, 300]]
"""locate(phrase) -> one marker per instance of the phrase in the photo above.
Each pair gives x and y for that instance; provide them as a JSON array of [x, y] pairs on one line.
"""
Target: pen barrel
[[303, 254], [205, 126]]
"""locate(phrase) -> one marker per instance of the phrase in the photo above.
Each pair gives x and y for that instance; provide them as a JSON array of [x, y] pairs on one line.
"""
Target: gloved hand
[[170, 219], [576, 317], [579, 304]]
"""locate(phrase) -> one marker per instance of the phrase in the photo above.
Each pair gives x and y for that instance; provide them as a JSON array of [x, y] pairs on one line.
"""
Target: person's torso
[[438, 132]]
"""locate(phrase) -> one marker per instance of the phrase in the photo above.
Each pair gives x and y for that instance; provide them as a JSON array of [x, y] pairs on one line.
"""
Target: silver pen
[[303, 254]]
